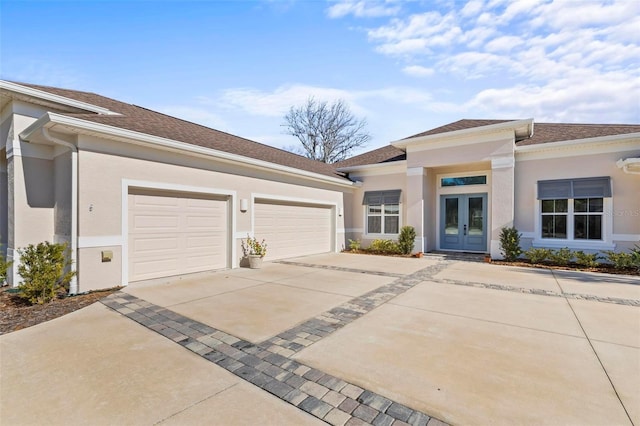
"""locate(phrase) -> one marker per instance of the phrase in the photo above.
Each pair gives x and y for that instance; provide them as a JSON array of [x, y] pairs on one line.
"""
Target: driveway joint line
[[540, 292], [493, 322], [302, 386], [341, 269], [196, 403], [595, 353]]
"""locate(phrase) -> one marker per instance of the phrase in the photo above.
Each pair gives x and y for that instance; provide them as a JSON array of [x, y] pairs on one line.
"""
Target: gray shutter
[[376, 198], [599, 187]]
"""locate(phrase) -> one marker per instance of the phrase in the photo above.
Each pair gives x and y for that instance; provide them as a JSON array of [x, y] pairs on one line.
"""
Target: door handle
[[465, 230]]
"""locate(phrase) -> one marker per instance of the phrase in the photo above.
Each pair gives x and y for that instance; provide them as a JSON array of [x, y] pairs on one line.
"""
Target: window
[[573, 209], [554, 218], [460, 181], [383, 211]]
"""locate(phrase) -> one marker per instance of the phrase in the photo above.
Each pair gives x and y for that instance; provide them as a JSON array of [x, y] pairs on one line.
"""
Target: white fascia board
[[379, 168], [456, 134], [589, 146], [77, 125], [40, 94]]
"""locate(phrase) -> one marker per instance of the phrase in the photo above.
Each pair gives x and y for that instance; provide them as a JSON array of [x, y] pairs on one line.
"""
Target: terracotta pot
[[487, 258]]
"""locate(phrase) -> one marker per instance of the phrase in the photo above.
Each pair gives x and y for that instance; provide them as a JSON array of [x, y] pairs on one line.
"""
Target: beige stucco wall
[[356, 211], [468, 150], [62, 196], [625, 209], [101, 191]]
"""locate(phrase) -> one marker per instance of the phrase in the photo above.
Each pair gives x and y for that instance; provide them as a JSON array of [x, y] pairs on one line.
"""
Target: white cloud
[[592, 99], [504, 44], [362, 8], [418, 71], [278, 102]]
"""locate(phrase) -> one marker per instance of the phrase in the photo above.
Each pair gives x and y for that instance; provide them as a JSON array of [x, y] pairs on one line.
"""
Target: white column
[[415, 208], [502, 199]]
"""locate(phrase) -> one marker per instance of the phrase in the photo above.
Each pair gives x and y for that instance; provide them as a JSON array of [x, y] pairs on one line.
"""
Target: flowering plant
[[251, 246]]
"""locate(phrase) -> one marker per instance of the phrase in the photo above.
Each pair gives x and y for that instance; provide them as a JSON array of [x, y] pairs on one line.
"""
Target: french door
[[463, 222]]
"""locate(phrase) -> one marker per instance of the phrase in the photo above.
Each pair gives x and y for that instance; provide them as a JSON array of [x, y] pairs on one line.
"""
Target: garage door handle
[[465, 230]]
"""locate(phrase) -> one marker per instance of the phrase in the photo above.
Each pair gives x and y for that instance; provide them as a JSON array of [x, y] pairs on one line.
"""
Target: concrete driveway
[[338, 338]]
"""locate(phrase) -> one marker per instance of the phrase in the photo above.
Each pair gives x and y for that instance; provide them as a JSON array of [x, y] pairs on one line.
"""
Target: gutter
[[624, 165], [73, 285], [139, 138]]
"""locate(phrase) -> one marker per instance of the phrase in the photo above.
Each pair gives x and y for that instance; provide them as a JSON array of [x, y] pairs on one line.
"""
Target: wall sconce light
[[244, 205], [340, 211]]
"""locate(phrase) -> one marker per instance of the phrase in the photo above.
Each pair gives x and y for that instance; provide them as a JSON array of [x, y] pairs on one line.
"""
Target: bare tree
[[328, 132]]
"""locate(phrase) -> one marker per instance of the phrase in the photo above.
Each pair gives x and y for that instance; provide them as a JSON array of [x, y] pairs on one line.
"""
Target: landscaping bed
[[602, 268], [16, 313]]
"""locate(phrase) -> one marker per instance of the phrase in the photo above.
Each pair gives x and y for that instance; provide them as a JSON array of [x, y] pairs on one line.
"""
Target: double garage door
[[174, 234], [293, 229]]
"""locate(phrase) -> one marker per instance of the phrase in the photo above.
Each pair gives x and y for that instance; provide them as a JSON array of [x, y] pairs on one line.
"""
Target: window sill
[[573, 244], [381, 236]]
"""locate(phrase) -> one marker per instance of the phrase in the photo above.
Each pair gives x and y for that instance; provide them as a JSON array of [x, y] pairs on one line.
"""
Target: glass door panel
[[451, 216]]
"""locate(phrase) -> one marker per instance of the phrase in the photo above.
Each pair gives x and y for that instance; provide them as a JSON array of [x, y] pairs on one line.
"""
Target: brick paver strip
[[322, 395]]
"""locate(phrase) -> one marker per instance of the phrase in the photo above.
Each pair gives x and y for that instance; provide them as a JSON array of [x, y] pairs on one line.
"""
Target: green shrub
[[407, 239], [635, 257], [588, 260], [354, 245], [384, 247], [561, 256], [510, 243], [537, 255], [44, 270], [619, 260], [4, 266]]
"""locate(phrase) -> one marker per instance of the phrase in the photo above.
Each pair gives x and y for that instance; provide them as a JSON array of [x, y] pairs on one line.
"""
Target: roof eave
[[375, 166], [41, 94], [51, 119], [522, 128], [576, 142]]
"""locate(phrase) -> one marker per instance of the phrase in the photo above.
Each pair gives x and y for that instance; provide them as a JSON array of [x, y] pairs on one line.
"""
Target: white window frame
[[382, 216], [606, 243]]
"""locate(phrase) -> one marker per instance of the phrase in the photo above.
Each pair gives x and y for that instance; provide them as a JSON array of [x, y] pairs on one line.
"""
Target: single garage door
[[173, 234], [293, 229]]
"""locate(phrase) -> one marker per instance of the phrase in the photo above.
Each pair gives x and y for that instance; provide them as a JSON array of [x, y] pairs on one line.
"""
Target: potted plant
[[254, 250]]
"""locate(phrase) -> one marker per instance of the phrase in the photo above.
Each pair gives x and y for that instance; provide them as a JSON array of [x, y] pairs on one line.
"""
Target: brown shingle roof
[[385, 154], [543, 132], [458, 125], [150, 122], [556, 132]]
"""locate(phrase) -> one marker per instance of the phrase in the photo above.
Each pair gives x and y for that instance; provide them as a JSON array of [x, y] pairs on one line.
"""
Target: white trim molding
[[99, 241], [30, 92]]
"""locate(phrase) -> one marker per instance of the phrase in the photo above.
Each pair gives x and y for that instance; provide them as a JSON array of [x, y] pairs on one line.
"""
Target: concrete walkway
[[358, 338]]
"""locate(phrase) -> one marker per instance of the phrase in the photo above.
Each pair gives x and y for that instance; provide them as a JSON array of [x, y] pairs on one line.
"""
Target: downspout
[[73, 285]]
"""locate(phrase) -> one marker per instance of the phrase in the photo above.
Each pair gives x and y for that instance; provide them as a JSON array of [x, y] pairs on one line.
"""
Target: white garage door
[[293, 230], [173, 234]]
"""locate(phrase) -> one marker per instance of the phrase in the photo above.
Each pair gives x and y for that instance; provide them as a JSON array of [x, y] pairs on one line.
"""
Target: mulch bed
[[16, 313], [607, 269]]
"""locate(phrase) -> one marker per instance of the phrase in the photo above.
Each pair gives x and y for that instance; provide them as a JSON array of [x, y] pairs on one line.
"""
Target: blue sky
[[405, 66]]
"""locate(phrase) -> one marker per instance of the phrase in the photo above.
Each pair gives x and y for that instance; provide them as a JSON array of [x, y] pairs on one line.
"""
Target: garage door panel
[[173, 234], [142, 245], [293, 230]]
